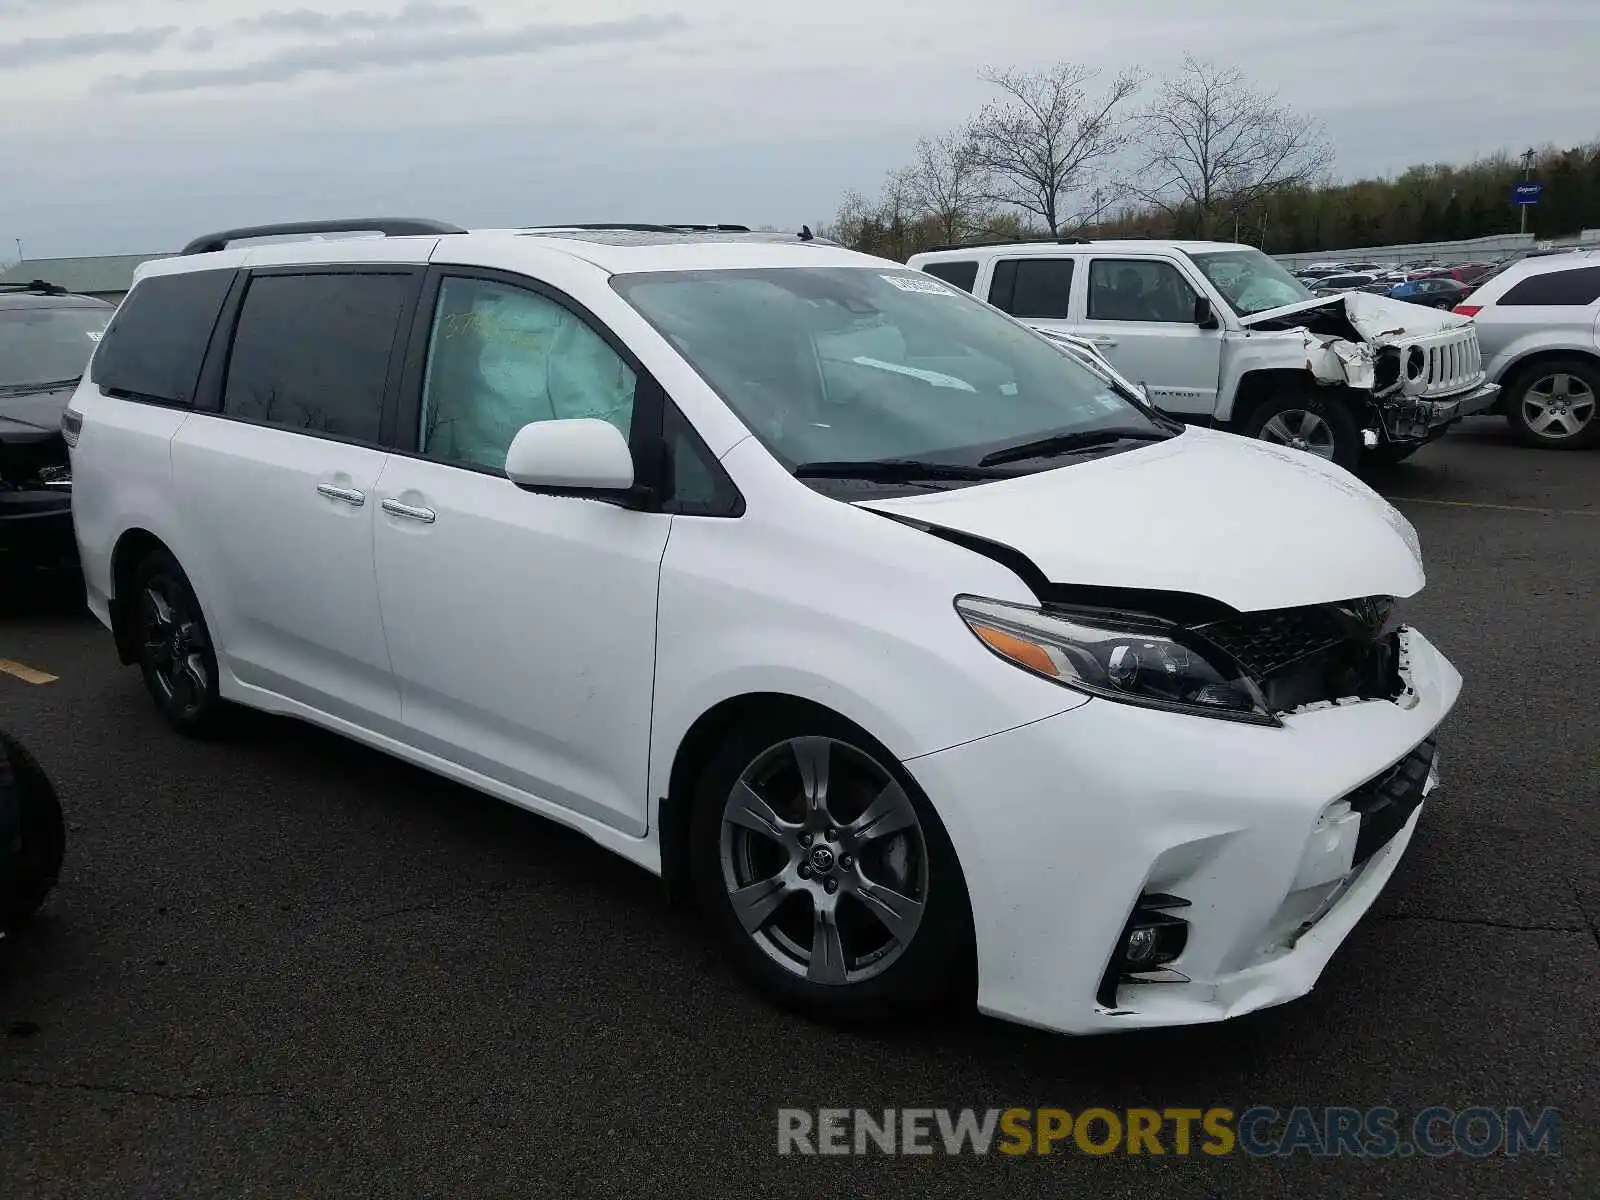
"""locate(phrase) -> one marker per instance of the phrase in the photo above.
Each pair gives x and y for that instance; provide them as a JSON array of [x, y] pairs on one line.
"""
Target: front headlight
[[1117, 657]]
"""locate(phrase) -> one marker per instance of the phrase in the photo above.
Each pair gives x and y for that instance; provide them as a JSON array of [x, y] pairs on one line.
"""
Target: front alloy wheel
[[1300, 429], [827, 870], [824, 861]]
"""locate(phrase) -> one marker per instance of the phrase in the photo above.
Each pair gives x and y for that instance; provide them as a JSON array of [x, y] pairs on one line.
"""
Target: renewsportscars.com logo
[[1258, 1132]]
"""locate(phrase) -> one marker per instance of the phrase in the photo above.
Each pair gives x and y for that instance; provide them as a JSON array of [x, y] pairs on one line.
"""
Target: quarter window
[[157, 339], [312, 352], [1037, 288], [1126, 289], [501, 357], [1578, 287]]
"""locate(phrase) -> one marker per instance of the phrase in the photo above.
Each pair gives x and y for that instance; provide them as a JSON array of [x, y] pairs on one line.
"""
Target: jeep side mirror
[[1203, 314]]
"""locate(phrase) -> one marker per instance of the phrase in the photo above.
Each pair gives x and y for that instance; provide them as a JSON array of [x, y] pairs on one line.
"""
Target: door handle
[[1103, 343], [409, 511], [348, 495]]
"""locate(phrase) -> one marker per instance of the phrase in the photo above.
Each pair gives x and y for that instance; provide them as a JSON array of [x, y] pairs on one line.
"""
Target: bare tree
[[1043, 139], [1215, 147], [946, 184]]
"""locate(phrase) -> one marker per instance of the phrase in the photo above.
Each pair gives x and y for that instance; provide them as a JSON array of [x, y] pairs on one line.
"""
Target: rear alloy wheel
[[1554, 406], [1315, 424], [175, 653], [829, 875]]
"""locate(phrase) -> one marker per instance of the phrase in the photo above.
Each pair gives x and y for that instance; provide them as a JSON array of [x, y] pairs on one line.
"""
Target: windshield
[[47, 344], [1250, 281], [856, 364]]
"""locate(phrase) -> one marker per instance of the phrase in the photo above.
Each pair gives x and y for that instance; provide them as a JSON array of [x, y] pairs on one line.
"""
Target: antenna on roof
[[805, 234]]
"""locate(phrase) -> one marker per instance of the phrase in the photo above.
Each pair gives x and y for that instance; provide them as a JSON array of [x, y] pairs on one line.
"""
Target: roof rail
[[626, 227], [388, 226], [36, 285], [1019, 241]]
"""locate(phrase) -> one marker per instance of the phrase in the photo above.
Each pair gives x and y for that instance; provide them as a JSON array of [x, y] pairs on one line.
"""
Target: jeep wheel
[[1553, 404], [1316, 424]]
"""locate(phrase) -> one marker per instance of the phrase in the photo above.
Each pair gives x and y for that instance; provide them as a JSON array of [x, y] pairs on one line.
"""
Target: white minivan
[[934, 662]]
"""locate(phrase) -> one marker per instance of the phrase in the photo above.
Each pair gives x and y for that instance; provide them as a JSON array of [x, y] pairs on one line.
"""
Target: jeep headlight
[[1117, 657]]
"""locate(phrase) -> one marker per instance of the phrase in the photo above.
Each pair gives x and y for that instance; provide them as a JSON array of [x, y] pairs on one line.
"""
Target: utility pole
[[1527, 173]]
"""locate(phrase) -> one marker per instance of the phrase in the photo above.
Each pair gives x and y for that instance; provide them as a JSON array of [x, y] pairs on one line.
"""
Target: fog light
[[1141, 947], [1153, 937]]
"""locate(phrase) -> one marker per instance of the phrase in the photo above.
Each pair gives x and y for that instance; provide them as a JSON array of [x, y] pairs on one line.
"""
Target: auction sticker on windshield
[[912, 283]]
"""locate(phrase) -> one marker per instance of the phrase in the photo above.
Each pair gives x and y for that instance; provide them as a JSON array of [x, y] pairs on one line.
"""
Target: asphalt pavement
[[284, 965]]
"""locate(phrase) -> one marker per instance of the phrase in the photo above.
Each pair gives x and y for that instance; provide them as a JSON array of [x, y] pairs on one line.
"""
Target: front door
[[521, 627], [1140, 312]]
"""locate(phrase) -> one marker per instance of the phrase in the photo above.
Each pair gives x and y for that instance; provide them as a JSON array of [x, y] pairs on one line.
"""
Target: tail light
[[1467, 310], [71, 426]]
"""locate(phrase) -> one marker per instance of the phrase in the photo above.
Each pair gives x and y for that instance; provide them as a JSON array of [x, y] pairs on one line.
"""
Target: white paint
[[554, 651]]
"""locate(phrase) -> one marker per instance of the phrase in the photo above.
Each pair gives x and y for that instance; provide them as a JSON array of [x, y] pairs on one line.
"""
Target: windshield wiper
[[895, 470], [47, 385], [1065, 443]]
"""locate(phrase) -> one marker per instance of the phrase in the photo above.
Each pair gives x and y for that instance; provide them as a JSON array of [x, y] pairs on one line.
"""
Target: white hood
[[1253, 525], [1376, 318]]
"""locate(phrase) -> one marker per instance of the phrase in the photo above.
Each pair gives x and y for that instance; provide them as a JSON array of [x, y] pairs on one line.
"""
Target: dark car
[[32, 835], [1433, 292], [46, 337]]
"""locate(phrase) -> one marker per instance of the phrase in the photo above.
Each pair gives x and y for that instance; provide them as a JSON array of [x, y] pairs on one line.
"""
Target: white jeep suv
[[932, 660], [1221, 335]]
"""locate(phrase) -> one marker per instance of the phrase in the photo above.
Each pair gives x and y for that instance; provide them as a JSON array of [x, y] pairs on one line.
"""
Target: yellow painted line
[[27, 674], [1549, 512]]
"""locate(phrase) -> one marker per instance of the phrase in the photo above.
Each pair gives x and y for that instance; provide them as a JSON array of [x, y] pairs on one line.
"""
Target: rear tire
[[1555, 404], [1303, 420], [827, 872], [27, 794], [174, 647]]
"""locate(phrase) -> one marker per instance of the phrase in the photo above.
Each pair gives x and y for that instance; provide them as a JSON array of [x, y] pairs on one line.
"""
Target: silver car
[[1539, 328]]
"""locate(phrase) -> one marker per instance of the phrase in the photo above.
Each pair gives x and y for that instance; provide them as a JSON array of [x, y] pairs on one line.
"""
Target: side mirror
[[584, 454], [1203, 314]]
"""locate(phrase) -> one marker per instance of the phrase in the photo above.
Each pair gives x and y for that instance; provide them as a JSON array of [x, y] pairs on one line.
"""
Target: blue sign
[[1527, 193]]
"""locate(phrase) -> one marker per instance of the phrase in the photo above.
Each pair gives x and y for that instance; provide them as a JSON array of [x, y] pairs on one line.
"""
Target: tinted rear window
[[963, 274], [1032, 287], [311, 352], [1579, 286], [153, 348]]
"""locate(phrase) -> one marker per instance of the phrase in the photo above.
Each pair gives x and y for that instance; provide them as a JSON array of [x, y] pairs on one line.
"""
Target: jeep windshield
[[1249, 280], [891, 371], [47, 344]]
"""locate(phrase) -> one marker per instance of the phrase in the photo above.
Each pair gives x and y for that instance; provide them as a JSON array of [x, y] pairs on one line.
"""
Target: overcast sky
[[131, 125]]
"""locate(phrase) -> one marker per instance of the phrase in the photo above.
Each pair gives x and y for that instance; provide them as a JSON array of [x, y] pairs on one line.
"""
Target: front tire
[[1552, 405], [827, 872], [175, 652], [37, 839], [1303, 420]]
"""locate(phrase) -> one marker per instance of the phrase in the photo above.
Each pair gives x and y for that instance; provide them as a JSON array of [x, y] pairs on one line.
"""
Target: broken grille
[[1324, 652]]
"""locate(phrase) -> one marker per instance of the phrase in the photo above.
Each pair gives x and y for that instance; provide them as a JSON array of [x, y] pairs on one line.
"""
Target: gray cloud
[[33, 51], [350, 56], [412, 16]]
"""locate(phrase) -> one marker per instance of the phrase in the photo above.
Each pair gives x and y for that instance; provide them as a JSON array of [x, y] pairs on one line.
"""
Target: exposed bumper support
[[1406, 419]]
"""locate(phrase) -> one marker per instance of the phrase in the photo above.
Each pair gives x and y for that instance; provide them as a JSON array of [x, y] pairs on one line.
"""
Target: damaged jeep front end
[[1421, 371]]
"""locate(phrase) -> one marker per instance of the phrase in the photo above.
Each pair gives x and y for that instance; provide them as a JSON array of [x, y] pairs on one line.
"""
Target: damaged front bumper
[[1412, 418]]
